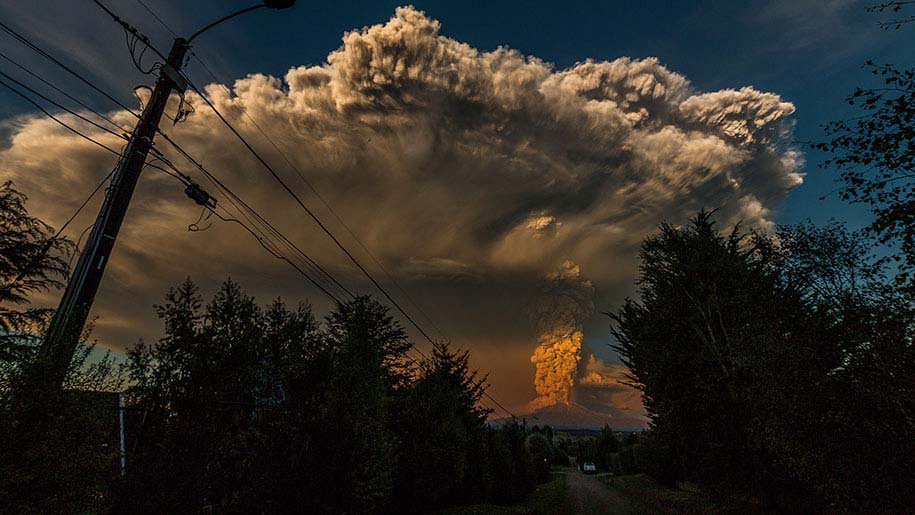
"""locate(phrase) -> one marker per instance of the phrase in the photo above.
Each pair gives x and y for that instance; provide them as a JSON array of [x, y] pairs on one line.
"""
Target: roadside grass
[[646, 496], [484, 509], [547, 499]]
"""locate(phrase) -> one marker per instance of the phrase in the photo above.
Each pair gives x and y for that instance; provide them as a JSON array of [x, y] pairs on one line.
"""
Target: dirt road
[[588, 495]]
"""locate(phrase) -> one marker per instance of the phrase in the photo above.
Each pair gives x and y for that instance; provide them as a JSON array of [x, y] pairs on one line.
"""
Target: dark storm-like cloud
[[466, 173]]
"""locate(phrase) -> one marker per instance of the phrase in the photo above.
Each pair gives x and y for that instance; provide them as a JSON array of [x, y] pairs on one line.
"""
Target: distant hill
[[570, 415]]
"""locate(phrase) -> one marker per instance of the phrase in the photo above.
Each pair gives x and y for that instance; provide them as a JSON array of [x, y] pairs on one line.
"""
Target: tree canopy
[[780, 364]]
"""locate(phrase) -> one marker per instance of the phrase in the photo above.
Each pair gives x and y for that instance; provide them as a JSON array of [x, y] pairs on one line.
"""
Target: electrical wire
[[258, 219], [268, 231], [326, 204], [141, 38], [138, 59], [146, 42], [62, 92], [276, 254], [306, 209], [177, 174], [58, 120], [259, 224], [59, 106], [326, 230], [264, 232], [25, 41], [157, 18], [310, 212]]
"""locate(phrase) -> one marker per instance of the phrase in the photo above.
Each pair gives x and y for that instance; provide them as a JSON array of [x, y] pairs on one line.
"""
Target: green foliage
[[769, 363], [507, 463], [240, 409], [237, 399], [250, 409], [440, 426], [875, 156], [59, 450], [605, 446], [32, 260], [539, 453], [709, 320]]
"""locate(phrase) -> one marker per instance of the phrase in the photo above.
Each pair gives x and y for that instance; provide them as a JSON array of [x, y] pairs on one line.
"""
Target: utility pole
[[67, 325], [63, 335]]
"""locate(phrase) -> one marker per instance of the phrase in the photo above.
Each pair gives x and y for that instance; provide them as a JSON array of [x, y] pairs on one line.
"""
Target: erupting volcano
[[572, 391]]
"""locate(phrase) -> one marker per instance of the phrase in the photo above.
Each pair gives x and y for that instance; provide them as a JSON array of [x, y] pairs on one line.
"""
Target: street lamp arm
[[224, 18]]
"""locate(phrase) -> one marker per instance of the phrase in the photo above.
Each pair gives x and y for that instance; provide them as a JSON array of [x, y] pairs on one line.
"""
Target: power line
[[326, 204], [277, 255], [317, 220], [311, 213], [59, 121], [113, 170], [264, 239], [60, 231], [334, 213], [180, 177], [258, 217], [88, 199], [157, 18], [59, 106], [145, 40], [260, 238], [47, 246], [258, 234], [55, 88], [326, 230], [25, 41]]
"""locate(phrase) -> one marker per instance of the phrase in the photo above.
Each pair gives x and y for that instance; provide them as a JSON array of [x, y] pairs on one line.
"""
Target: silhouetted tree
[[231, 397], [843, 424], [783, 355], [32, 260], [507, 463], [900, 13], [538, 455], [58, 447], [439, 424], [713, 334], [875, 155], [250, 409], [606, 445]]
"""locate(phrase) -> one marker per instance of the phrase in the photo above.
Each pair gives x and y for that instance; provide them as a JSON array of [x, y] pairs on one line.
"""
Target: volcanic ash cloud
[[559, 315], [469, 174]]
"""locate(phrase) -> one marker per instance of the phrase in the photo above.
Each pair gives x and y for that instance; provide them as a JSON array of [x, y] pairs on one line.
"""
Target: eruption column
[[559, 315]]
